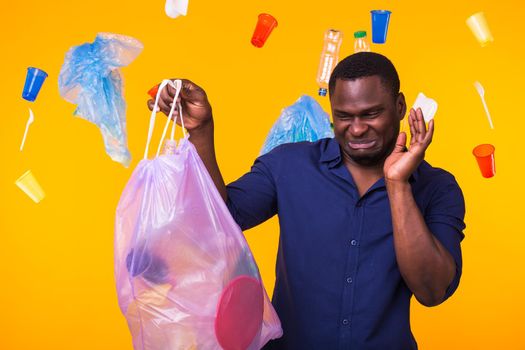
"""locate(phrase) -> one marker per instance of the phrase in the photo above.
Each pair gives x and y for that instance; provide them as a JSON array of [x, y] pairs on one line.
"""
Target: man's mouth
[[365, 144]]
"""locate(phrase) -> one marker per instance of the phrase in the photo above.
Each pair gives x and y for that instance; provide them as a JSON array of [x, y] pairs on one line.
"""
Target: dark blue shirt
[[337, 284]]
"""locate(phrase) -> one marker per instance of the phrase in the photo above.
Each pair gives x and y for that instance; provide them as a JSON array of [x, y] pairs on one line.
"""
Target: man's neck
[[364, 176]]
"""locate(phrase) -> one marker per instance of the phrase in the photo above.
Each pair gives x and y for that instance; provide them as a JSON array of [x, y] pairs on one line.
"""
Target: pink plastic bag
[[186, 278]]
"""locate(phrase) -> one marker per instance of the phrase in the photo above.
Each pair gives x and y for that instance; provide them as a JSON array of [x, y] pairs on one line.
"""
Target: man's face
[[366, 119]]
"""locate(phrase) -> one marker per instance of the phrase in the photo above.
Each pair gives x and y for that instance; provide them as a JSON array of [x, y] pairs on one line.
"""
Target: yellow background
[[56, 258]]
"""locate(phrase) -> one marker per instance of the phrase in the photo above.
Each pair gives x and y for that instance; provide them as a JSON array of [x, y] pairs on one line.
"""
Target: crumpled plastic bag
[[305, 120], [186, 278], [90, 78]]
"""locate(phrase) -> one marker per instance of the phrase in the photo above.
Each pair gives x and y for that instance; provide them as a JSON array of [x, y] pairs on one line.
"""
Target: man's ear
[[401, 106]]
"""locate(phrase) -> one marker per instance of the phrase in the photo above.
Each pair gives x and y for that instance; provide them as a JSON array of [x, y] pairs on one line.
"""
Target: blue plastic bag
[[305, 120], [91, 79]]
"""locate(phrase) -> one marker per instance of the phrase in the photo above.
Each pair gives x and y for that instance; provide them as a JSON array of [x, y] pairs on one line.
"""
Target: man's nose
[[358, 127]]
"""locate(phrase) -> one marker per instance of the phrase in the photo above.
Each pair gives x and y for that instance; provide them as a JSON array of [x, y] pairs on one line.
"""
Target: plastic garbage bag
[[186, 278], [305, 120], [90, 78]]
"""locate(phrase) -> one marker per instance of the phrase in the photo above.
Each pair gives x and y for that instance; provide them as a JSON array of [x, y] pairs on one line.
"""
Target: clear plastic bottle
[[329, 58], [360, 42]]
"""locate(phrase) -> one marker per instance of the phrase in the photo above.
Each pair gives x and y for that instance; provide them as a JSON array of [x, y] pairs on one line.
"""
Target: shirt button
[[349, 280], [345, 322], [353, 242], [359, 204]]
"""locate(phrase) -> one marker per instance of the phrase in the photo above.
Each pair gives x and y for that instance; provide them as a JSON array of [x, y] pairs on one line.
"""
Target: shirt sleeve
[[445, 219], [252, 199]]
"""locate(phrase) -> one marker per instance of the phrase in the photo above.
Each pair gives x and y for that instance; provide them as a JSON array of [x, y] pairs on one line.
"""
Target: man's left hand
[[401, 164]]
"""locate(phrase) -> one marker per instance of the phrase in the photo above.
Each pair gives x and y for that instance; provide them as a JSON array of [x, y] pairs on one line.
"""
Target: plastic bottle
[[329, 58], [360, 42]]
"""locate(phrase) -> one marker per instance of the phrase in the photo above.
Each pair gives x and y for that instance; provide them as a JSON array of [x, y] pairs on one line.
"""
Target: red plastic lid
[[239, 313]]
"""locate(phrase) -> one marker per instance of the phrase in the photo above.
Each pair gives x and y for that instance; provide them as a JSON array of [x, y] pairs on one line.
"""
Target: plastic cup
[[34, 79], [479, 27], [153, 91], [485, 157], [30, 186], [265, 25], [380, 19]]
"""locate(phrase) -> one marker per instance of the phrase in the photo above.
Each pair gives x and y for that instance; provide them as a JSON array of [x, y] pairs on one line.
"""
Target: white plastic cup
[[28, 183], [479, 27]]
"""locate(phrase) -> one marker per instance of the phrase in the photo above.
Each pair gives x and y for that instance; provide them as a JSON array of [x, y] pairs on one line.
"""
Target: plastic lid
[[322, 91], [360, 34], [239, 313]]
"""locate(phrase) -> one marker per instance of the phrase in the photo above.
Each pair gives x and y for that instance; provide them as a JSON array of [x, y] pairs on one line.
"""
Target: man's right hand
[[196, 110], [198, 120]]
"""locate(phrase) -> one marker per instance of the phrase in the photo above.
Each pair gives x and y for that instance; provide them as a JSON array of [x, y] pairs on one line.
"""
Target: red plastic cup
[[265, 25], [485, 156], [153, 91]]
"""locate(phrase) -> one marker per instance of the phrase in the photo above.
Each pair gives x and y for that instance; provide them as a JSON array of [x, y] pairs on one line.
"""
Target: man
[[365, 222]]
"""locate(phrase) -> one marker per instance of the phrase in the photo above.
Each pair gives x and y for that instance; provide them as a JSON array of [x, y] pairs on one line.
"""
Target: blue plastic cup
[[380, 19], [34, 79]]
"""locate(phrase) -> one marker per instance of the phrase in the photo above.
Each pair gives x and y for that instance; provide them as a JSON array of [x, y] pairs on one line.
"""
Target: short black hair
[[366, 64]]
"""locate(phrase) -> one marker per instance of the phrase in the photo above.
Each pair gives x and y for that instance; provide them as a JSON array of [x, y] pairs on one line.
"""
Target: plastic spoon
[[481, 92], [30, 121]]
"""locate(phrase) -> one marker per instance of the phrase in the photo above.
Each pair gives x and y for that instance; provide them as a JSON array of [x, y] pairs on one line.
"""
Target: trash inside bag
[[90, 78], [305, 120], [186, 278]]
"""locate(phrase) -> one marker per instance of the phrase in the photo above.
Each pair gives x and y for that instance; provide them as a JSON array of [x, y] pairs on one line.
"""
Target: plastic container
[[329, 58], [484, 154], [380, 20], [34, 80], [175, 8], [29, 184], [265, 24], [360, 42], [480, 28], [428, 106]]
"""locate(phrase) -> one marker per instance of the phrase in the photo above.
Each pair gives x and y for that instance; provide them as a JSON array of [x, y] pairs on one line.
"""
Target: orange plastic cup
[[485, 156], [153, 91], [265, 25]]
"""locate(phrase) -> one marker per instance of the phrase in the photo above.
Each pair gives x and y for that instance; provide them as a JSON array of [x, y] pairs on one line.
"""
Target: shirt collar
[[331, 154]]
